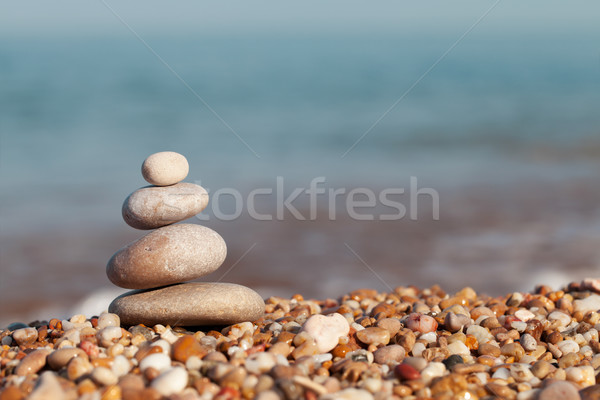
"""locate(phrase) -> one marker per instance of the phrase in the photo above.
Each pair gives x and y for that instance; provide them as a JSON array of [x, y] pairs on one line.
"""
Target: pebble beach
[[407, 343]]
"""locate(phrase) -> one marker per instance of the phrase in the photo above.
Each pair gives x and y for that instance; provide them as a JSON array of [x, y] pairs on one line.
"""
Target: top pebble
[[165, 168]]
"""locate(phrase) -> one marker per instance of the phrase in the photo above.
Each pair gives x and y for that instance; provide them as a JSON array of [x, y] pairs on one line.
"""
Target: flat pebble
[[171, 381], [168, 255], [190, 304], [152, 207], [326, 330], [374, 335], [165, 168]]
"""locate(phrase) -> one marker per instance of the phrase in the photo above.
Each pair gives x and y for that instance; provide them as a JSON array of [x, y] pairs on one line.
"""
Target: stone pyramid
[[159, 263]]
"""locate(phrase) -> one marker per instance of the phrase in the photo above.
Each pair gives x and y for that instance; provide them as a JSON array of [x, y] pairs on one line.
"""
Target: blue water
[[78, 115]]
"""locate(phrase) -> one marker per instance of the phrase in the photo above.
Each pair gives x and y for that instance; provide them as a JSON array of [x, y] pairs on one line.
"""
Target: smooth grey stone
[[189, 304]]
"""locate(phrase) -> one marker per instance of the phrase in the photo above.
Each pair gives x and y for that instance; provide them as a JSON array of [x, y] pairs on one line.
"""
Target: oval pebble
[[171, 381], [154, 206], [190, 304], [168, 255], [25, 336], [165, 168], [61, 357], [32, 362], [406, 372], [374, 335]]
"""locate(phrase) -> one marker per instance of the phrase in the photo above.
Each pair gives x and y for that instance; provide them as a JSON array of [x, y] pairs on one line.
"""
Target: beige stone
[[189, 304], [151, 207], [165, 168], [168, 255]]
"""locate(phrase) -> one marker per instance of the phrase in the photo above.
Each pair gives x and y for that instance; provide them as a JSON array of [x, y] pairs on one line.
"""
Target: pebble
[[168, 255], [152, 207], [326, 330], [481, 334], [521, 372], [32, 362], [158, 361], [25, 336], [165, 168], [47, 388], [528, 342], [190, 304], [349, 394], [186, 347], [561, 317], [452, 360], [455, 322], [391, 354], [407, 372], [392, 325], [108, 319], [568, 346], [590, 393], [104, 376], [542, 368], [259, 363], [432, 370], [374, 335], [559, 391], [417, 322], [171, 381], [458, 347], [590, 303], [109, 335]]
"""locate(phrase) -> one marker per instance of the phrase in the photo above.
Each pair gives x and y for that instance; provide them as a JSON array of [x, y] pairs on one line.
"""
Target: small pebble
[[165, 168]]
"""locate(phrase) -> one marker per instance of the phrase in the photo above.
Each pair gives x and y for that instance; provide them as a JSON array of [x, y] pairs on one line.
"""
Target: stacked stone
[[159, 263]]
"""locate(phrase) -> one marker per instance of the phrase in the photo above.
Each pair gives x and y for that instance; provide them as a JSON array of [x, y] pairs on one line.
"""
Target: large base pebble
[[190, 304]]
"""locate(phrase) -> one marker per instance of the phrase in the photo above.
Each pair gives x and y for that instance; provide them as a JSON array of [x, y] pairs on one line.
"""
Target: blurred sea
[[506, 128]]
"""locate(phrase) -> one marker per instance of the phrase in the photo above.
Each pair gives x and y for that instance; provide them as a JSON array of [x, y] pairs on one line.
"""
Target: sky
[[37, 17]]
